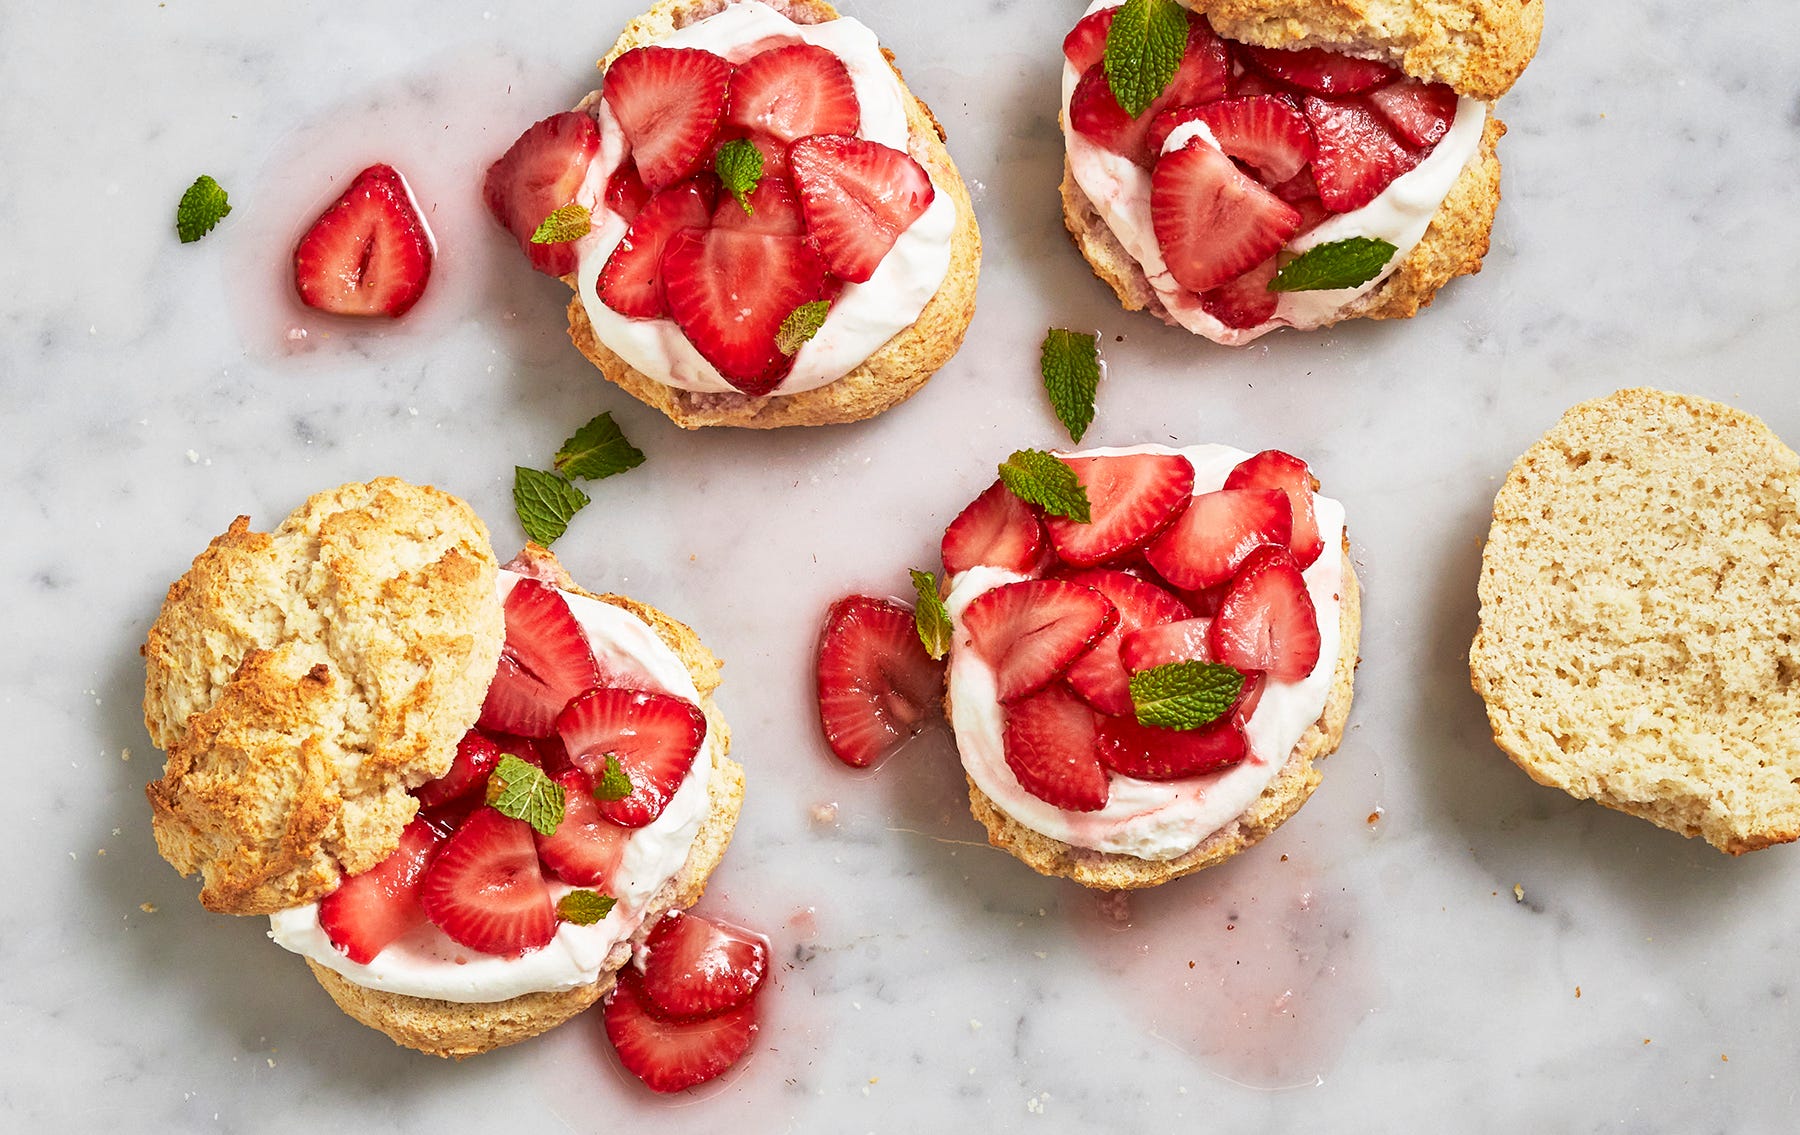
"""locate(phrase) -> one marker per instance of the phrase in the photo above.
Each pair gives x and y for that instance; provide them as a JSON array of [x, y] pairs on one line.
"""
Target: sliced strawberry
[[369, 911], [546, 753], [625, 192], [773, 209], [1097, 116], [655, 736], [1154, 644], [1246, 301], [1268, 133], [1131, 498], [1085, 45], [1049, 744], [1217, 532], [485, 890], [1358, 155], [1202, 601], [669, 101], [671, 1055], [695, 967], [1320, 71], [1205, 71], [858, 197], [1267, 620], [539, 174], [997, 529], [586, 848], [1149, 753], [1420, 113], [793, 92], [1249, 82], [1298, 188], [476, 756], [369, 253], [1212, 221], [544, 662], [1313, 213], [876, 684], [729, 290], [1098, 677], [631, 283], [1273, 469], [1203, 76], [1032, 632]]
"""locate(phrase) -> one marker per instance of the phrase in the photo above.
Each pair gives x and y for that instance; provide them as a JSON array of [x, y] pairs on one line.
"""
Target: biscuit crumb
[[124, 754], [1578, 993], [1374, 817], [147, 907], [1518, 893]]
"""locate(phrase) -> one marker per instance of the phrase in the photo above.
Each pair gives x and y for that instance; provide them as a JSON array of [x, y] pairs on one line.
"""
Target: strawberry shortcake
[[1236, 166], [760, 221]]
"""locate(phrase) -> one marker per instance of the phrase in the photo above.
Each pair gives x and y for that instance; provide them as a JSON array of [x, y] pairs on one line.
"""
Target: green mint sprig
[[520, 789], [739, 165], [570, 222], [1348, 263], [1070, 364], [1043, 479], [584, 907], [613, 783], [1185, 695], [1144, 47], [801, 325], [930, 615]]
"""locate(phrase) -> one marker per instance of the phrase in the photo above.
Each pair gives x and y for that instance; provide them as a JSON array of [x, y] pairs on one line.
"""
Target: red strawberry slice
[[666, 1055], [1267, 620], [631, 283], [625, 192], [544, 752], [1212, 221], [1050, 746], [1085, 45], [586, 848], [369, 253], [1149, 753], [485, 890], [1273, 469], [695, 967], [792, 92], [1098, 677], [655, 736], [1153, 645], [1358, 155], [369, 911], [1217, 532], [544, 662], [1298, 188], [1420, 113], [1203, 76], [1320, 71], [1269, 133], [773, 209], [997, 529], [1131, 498], [876, 684], [729, 290], [668, 101], [1032, 632], [539, 174], [858, 197], [1097, 116], [1205, 71], [476, 756], [1250, 82], [1246, 301]]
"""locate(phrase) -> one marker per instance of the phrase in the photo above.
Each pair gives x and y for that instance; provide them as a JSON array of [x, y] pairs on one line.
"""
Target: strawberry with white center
[[542, 172], [1320, 71], [858, 196], [369, 911], [1159, 644], [1273, 469], [1100, 676], [669, 1055], [1131, 499], [997, 528], [1052, 747], [476, 756], [1202, 76], [544, 662], [788, 93], [485, 889], [730, 290], [696, 967], [586, 848], [1358, 155], [876, 684], [1032, 632], [1205, 547], [655, 738], [632, 282], [669, 102], [369, 252], [1267, 621], [1213, 221], [1148, 753]]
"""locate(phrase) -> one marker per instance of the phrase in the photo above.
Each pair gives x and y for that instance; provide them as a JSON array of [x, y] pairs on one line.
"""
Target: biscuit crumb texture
[[301, 680], [1639, 642]]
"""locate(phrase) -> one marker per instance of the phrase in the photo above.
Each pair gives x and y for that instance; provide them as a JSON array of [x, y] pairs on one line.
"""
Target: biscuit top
[[301, 680]]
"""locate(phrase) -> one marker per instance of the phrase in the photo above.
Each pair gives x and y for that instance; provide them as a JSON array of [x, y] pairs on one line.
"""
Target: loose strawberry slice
[[1131, 498], [1273, 469], [1267, 620], [369, 911], [1268, 133], [1098, 677], [369, 253], [792, 92], [625, 192], [671, 1055], [1212, 221], [1050, 746], [539, 174], [773, 209], [695, 967], [1149, 753], [997, 529], [476, 756], [1419, 112], [1217, 532], [631, 283], [1320, 71], [729, 290], [1184, 640], [1358, 155], [586, 848], [668, 101], [1085, 45], [655, 736], [876, 684], [1032, 632], [858, 197], [485, 890], [1246, 301], [544, 662]]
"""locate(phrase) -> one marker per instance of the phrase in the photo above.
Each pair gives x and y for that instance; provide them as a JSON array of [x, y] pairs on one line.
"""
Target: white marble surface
[[1347, 975]]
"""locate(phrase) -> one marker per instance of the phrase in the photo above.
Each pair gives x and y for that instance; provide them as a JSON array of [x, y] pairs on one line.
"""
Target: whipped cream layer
[[864, 316], [426, 963], [1120, 192], [1156, 820]]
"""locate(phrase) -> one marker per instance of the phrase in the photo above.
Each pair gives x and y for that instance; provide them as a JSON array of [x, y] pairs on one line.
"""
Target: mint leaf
[[520, 789], [1348, 263], [202, 207], [597, 450], [571, 222], [1070, 363], [584, 908], [931, 617], [1040, 478], [739, 165], [1144, 47], [1185, 695], [545, 503], [613, 783], [801, 325]]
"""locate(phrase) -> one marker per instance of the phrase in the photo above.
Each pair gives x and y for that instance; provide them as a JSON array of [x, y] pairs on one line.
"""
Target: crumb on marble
[[124, 754], [147, 907], [1375, 816], [1518, 892], [1578, 993]]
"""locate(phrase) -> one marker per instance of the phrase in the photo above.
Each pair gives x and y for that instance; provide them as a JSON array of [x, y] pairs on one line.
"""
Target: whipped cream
[[865, 315], [1120, 192], [426, 963], [1150, 819]]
